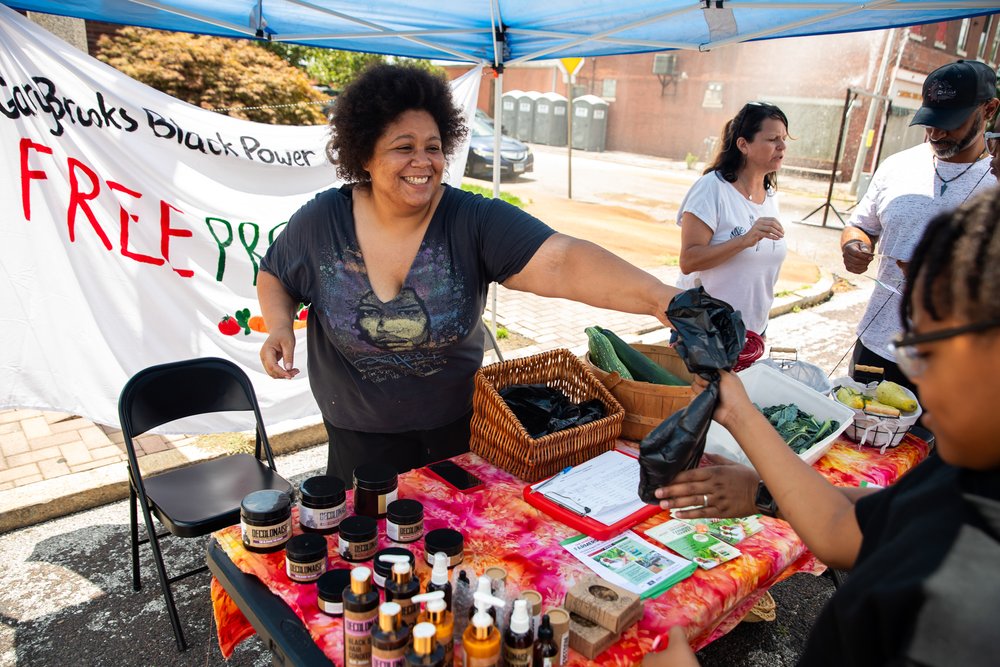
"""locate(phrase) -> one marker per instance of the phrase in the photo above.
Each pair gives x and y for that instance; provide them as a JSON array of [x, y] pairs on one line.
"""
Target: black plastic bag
[[709, 336], [544, 410]]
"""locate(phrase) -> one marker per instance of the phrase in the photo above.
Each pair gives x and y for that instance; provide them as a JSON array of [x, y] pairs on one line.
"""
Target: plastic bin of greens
[[767, 387]]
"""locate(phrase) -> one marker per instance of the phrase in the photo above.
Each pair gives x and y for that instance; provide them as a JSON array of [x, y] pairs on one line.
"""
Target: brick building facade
[[681, 113]]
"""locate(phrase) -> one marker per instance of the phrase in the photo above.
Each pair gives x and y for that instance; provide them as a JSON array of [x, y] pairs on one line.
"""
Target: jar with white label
[[266, 520], [404, 520], [305, 558], [358, 539], [322, 504]]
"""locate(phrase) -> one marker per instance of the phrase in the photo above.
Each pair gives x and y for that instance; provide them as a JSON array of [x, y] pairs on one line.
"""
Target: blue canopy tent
[[496, 33]]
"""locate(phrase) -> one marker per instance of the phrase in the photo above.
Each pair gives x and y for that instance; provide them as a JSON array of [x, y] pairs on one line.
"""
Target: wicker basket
[[647, 404], [499, 437]]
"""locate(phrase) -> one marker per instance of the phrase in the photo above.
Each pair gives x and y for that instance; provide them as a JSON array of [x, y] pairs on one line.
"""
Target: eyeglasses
[[912, 362], [992, 142]]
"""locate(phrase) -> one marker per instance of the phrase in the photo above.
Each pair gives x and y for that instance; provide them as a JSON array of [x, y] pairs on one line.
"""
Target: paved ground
[[65, 595]]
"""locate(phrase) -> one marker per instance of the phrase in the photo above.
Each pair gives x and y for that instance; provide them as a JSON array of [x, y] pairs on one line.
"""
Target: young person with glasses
[[731, 240], [909, 189], [924, 554]]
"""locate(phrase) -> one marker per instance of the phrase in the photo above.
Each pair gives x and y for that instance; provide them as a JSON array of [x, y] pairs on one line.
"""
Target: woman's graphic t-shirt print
[[386, 340]]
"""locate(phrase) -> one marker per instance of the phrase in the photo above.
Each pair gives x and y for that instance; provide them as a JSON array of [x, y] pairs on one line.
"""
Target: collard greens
[[798, 429]]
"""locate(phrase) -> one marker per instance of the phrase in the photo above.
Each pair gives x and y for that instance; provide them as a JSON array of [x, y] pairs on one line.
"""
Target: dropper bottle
[[481, 640], [425, 652], [360, 611], [546, 652], [439, 577], [390, 637], [402, 587], [437, 613], [518, 641]]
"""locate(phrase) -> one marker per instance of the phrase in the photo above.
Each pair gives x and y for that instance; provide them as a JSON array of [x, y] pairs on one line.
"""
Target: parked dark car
[[515, 156]]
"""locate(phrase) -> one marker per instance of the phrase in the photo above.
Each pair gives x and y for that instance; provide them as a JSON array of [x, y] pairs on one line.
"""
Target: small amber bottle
[[390, 637], [518, 641], [425, 652], [401, 589], [546, 652], [360, 612]]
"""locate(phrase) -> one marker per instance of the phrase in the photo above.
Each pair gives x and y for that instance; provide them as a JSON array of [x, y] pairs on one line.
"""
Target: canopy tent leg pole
[[497, 110]]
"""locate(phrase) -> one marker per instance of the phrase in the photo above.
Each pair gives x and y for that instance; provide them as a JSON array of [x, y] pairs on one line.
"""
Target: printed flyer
[[732, 531], [693, 542], [631, 562]]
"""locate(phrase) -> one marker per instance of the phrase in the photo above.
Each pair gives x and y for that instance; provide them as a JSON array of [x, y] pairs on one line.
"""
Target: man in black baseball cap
[[952, 92], [911, 187]]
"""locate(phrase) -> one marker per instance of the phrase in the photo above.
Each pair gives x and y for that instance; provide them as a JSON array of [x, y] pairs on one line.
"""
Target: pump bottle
[[436, 613], [518, 641], [481, 640], [425, 652], [401, 588], [360, 611], [546, 653], [485, 587], [439, 578], [390, 637]]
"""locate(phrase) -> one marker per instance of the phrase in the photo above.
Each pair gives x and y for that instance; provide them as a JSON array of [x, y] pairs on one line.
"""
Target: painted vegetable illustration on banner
[[246, 322]]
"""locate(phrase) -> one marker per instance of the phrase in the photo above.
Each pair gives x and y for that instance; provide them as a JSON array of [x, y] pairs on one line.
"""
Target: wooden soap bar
[[605, 604], [587, 637]]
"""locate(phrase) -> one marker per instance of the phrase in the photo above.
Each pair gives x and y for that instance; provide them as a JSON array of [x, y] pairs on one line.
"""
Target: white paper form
[[605, 488]]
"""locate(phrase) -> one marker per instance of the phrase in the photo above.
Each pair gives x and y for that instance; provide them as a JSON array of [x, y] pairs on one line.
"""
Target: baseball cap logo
[[940, 91]]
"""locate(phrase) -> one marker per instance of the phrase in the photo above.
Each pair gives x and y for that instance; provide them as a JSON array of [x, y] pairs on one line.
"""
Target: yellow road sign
[[570, 66]]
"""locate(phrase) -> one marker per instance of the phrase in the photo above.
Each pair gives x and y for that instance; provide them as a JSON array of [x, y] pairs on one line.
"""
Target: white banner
[[132, 226]]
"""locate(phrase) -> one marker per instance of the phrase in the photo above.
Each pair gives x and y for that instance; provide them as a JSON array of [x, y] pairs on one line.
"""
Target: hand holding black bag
[[710, 336]]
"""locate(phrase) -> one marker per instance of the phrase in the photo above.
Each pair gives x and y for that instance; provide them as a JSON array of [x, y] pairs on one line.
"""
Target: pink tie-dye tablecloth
[[501, 529]]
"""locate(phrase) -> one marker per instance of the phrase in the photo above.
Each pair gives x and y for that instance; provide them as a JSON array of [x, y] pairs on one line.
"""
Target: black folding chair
[[204, 497]]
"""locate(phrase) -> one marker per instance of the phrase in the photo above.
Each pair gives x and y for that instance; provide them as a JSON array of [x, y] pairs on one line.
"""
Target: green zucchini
[[603, 355], [642, 367]]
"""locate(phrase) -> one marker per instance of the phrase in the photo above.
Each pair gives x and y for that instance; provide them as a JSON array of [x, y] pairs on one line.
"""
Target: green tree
[[332, 67], [216, 73]]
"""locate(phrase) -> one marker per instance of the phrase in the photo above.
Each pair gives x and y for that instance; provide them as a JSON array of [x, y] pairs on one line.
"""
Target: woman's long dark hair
[[747, 123]]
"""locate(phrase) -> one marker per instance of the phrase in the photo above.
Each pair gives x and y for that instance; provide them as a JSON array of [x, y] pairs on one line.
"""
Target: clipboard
[[585, 524]]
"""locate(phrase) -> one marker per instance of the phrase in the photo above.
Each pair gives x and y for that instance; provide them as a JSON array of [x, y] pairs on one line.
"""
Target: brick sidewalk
[[37, 445]]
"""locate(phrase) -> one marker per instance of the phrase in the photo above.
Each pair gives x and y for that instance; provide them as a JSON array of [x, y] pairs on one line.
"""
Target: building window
[[917, 32], [941, 36], [608, 87], [984, 38], [963, 37], [713, 96]]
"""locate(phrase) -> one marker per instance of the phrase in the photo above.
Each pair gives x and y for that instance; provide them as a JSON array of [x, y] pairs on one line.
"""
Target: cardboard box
[[605, 604], [588, 638]]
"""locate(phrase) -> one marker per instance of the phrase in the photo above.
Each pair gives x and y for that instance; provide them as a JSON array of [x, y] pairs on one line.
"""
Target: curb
[[816, 293], [53, 498]]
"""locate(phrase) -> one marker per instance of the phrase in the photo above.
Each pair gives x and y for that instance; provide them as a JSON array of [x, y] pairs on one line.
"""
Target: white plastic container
[[767, 387], [876, 430]]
